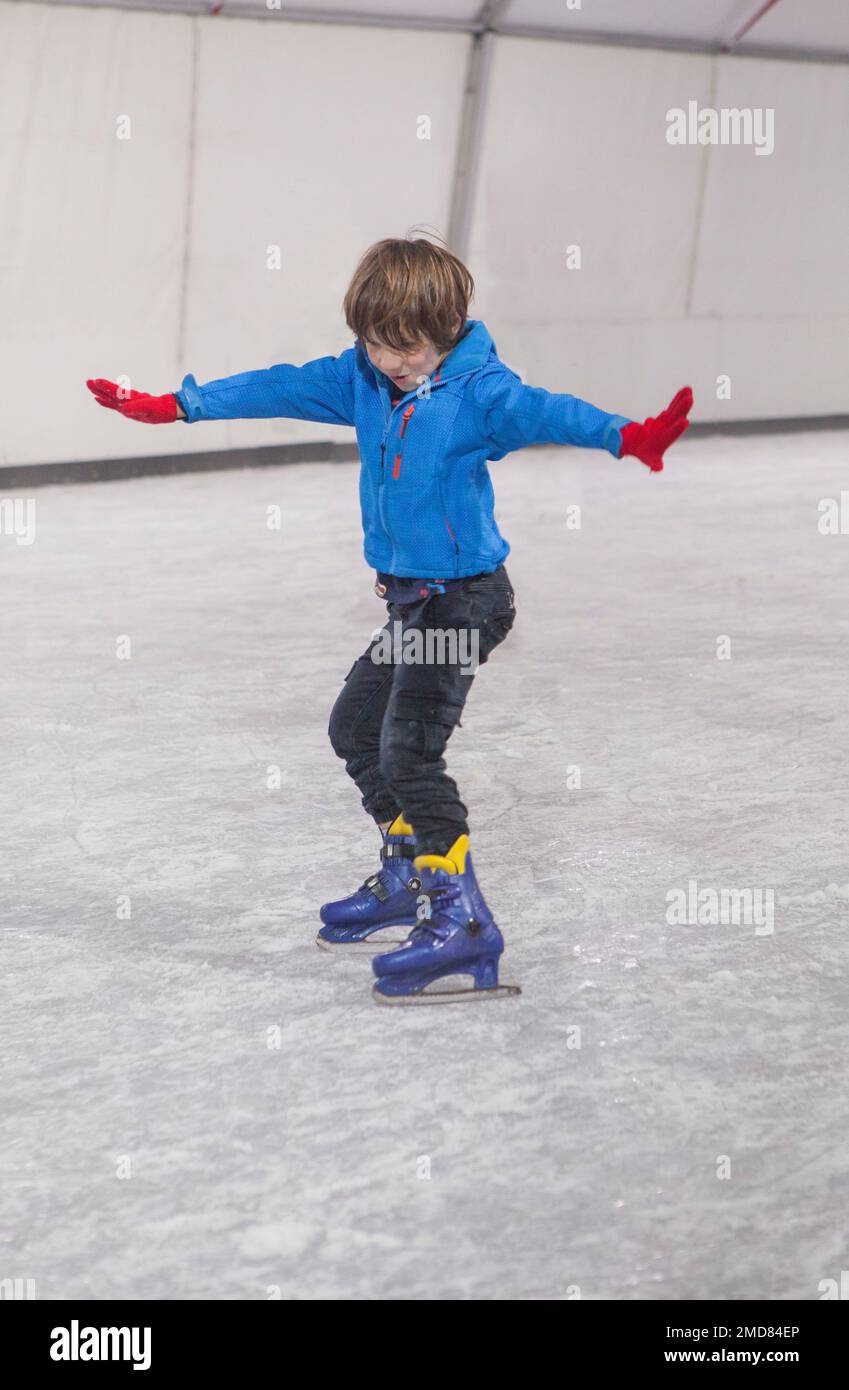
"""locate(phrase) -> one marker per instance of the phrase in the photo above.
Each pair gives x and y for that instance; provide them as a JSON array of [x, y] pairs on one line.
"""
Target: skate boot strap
[[397, 849], [445, 893], [428, 928], [375, 885], [440, 931]]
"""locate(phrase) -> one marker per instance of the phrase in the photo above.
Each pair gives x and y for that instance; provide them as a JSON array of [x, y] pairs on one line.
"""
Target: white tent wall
[[92, 226], [696, 261], [149, 256], [307, 141]]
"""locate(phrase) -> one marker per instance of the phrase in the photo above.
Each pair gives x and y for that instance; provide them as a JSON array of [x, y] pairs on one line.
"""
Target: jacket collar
[[472, 351]]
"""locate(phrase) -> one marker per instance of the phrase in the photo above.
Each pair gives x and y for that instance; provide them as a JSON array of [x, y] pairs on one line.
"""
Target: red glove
[[652, 438], [136, 405]]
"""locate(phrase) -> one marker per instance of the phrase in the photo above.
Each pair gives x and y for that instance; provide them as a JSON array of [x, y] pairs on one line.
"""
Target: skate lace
[[430, 926]]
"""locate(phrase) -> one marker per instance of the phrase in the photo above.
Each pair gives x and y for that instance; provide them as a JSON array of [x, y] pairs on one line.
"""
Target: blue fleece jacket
[[426, 496]]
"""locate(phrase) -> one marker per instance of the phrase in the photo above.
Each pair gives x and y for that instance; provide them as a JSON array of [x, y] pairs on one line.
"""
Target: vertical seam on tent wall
[[467, 160], [700, 197], [470, 136], [191, 144]]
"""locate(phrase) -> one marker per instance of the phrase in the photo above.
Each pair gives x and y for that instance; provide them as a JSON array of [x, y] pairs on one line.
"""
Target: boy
[[431, 402]]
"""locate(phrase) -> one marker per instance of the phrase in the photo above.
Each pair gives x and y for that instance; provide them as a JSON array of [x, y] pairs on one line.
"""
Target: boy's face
[[405, 368]]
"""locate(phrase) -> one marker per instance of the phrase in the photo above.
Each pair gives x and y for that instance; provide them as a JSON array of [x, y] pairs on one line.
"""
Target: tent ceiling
[[801, 26]]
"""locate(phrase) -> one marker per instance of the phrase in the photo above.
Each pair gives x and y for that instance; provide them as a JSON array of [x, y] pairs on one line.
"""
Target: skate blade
[[440, 993], [373, 944]]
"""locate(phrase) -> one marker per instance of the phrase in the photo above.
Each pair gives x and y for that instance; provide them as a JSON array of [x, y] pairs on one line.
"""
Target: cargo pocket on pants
[[429, 720]]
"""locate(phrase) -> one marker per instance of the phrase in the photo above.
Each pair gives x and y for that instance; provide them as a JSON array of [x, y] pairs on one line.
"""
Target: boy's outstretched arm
[[320, 390], [515, 416]]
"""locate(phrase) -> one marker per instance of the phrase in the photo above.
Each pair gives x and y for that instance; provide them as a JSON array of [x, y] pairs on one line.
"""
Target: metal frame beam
[[475, 93], [290, 14]]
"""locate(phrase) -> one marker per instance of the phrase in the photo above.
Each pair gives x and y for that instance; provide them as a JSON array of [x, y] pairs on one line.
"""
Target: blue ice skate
[[455, 936], [386, 900]]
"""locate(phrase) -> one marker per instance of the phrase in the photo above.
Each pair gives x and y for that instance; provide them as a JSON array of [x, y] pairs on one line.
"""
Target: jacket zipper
[[386, 428], [387, 425], [405, 420], [380, 508], [397, 467]]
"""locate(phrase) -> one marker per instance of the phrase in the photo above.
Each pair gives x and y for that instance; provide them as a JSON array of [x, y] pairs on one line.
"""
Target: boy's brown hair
[[404, 290]]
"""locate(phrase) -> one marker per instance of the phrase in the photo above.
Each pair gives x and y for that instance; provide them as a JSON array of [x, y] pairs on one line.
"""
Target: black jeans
[[405, 694]]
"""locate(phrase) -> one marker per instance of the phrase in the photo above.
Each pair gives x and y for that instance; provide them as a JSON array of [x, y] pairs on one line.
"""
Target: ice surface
[[465, 1152]]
